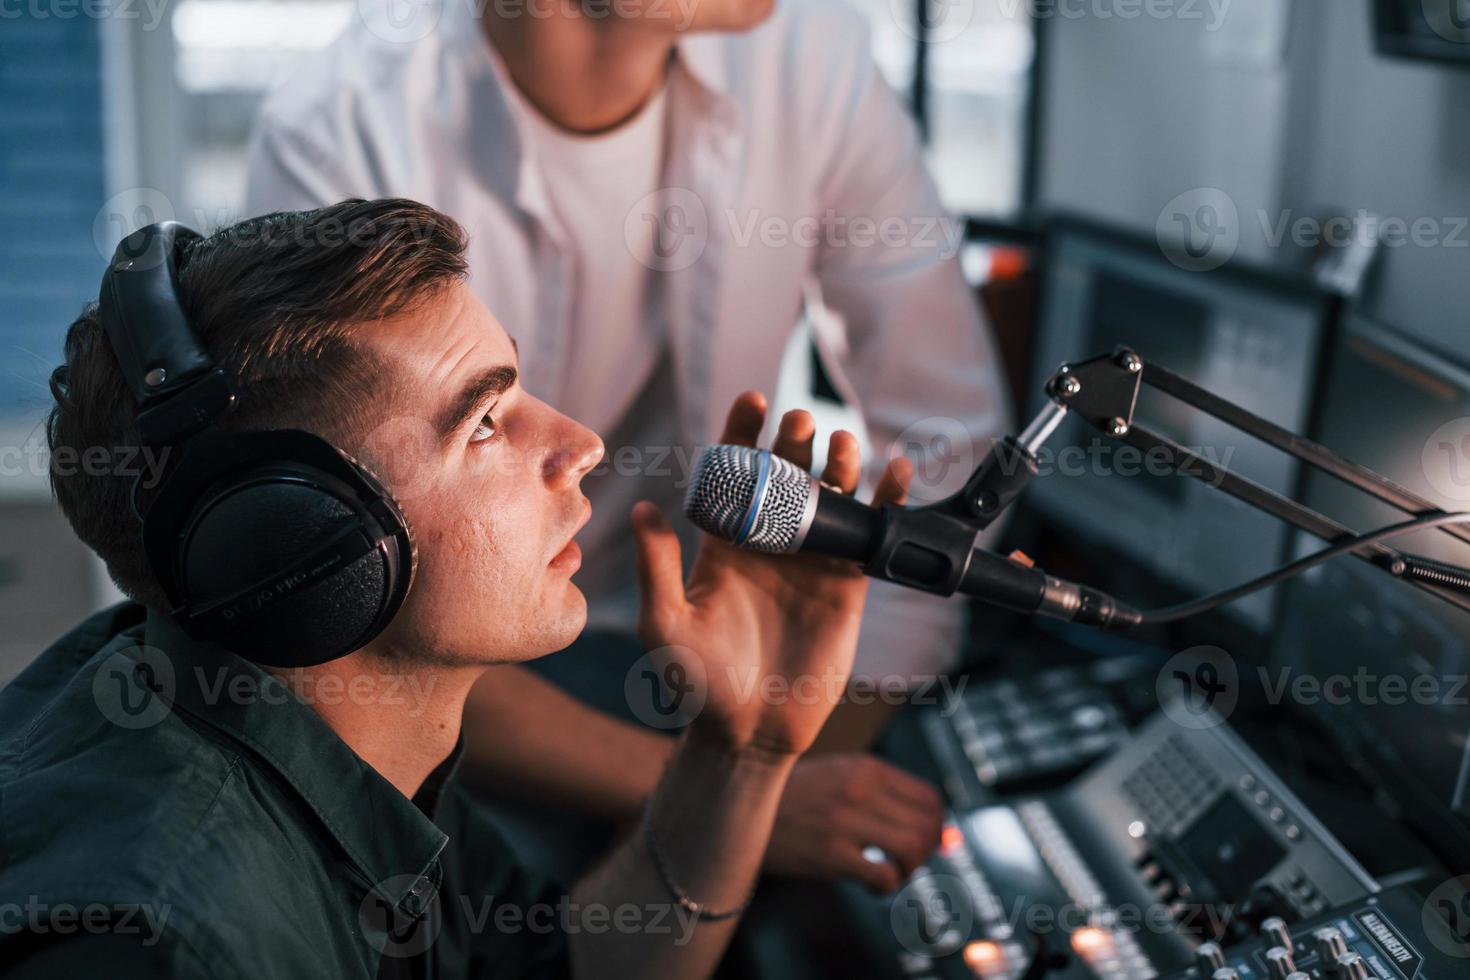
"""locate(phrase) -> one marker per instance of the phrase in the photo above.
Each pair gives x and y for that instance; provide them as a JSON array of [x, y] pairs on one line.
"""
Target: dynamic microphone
[[762, 502]]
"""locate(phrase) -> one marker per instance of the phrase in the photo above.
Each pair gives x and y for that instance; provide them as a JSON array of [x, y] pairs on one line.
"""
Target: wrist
[[742, 749]]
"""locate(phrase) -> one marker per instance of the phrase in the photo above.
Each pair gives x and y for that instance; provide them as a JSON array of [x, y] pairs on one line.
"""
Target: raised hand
[[770, 638]]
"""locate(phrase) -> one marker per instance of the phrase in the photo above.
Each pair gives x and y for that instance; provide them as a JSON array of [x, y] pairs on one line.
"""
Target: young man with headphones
[[222, 778], [658, 193]]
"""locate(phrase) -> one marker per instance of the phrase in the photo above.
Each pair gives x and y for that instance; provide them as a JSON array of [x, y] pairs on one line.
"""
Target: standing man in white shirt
[[657, 192]]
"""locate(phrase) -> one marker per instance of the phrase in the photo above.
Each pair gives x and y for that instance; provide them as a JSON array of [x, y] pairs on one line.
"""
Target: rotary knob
[[1274, 931], [1350, 966], [1330, 946], [1225, 973], [1279, 963], [1209, 957]]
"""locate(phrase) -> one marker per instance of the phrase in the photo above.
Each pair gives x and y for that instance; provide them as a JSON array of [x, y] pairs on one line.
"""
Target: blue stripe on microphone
[[763, 474]]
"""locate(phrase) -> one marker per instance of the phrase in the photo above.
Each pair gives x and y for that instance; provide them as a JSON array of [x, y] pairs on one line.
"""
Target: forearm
[[711, 820], [525, 735]]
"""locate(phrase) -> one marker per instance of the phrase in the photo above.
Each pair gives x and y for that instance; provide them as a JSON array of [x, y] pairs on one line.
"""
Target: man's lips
[[571, 553]]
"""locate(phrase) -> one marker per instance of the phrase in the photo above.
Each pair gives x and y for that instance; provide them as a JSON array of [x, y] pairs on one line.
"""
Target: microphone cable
[[1435, 572]]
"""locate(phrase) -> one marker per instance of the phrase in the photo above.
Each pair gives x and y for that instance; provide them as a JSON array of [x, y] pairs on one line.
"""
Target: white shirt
[[793, 180], [620, 383]]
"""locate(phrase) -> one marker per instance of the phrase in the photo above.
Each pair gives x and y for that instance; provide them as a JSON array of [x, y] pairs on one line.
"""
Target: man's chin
[[563, 624]]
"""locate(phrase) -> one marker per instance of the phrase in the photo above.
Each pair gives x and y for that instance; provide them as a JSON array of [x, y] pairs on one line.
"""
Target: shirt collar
[[387, 837]]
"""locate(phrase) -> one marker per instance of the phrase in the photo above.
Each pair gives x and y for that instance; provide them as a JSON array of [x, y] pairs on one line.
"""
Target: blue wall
[[51, 186]]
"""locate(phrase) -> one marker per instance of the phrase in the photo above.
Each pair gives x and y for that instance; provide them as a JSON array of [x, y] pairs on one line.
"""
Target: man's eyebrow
[[469, 399]]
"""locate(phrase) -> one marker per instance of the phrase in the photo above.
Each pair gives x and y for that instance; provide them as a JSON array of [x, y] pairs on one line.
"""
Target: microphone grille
[[759, 501]]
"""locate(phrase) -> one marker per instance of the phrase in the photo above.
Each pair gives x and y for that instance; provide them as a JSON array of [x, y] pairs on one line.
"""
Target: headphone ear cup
[[278, 547], [255, 531]]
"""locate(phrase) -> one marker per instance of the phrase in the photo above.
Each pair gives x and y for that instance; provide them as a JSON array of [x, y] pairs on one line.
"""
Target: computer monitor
[[1434, 30], [1246, 336], [1385, 664]]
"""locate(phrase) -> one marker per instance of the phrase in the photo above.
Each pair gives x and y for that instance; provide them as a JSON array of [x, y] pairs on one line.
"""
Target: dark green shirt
[[169, 809]]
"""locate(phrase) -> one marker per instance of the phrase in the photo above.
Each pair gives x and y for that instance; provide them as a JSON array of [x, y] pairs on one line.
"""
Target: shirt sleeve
[[903, 328], [287, 169]]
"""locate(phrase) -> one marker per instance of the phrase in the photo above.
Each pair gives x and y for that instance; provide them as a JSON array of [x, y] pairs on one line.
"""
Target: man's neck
[[585, 75], [401, 719]]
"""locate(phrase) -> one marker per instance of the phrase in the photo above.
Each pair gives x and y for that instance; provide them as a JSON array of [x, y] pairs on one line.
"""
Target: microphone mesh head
[[726, 487]]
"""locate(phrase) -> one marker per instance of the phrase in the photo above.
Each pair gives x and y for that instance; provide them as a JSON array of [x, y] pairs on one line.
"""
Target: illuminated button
[[913, 963], [1137, 829], [1090, 942], [985, 959], [952, 838]]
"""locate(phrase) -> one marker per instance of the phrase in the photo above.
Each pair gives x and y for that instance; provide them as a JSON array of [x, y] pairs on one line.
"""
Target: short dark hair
[[277, 301]]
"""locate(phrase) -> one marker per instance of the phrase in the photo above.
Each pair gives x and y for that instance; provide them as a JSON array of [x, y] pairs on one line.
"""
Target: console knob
[[1279, 962], [1351, 966], [1274, 931], [1330, 946], [1225, 973], [1209, 957]]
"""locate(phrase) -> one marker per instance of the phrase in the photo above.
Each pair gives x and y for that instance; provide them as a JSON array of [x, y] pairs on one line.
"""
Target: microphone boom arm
[[1104, 390]]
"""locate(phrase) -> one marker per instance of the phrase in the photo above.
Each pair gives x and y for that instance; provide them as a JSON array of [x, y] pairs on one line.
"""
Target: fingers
[[794, 438], [906, 847], [915, 792], [745, 419], [893, 485], [660, 570], [885, 807], [844, 462], [880, 878]]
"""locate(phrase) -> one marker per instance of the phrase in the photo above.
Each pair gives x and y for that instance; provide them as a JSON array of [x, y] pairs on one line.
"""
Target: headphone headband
[[178, 388], [274, 543]]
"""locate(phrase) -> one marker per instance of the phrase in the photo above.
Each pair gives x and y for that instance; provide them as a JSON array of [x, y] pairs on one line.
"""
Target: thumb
[[660, 567]]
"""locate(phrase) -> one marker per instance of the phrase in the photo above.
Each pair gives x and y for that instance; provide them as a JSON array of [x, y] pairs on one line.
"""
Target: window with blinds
[[51, 185]]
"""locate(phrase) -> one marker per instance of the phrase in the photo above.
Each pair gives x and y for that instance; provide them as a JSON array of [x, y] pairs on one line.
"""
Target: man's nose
[[577, 452]]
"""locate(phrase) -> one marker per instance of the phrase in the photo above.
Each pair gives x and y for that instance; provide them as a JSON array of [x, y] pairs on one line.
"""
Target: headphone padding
[[254, 530]]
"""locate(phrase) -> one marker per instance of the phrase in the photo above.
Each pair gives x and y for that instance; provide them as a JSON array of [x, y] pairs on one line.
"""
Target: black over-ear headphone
[[274, 544]]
